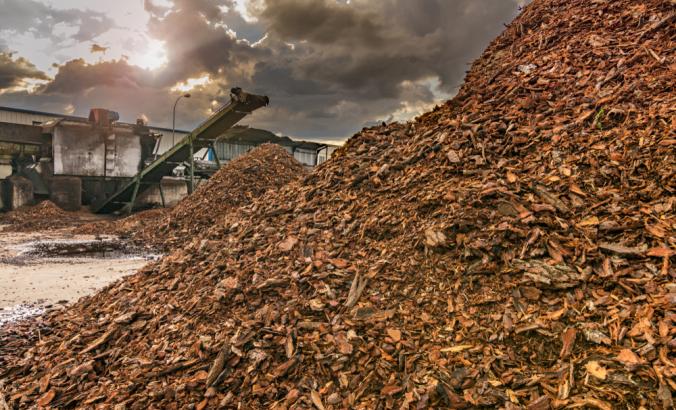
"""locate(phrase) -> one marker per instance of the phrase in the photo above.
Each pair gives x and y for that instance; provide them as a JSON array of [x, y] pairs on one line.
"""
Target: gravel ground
[[30, 283]]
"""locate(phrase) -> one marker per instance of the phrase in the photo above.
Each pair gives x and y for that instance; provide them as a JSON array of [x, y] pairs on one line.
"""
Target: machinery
[[101, 162], [71, 161]]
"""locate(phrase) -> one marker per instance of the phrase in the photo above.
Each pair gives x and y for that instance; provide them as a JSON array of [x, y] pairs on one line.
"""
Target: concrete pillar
[[5, 172], [66, 192], [174, 190], [18, 192]]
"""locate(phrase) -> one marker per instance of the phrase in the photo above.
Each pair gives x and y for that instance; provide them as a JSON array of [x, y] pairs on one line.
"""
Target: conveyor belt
[[241, 105]]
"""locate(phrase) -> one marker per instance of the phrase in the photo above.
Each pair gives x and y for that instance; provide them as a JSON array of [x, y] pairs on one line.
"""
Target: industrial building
[[12, 115], [75, 160], [70, 160], [234, 143]]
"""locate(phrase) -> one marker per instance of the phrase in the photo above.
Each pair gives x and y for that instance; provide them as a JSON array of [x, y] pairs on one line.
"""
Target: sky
[[330, 67]]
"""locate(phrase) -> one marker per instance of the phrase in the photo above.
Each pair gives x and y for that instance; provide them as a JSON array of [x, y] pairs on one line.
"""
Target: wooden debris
[[44, 216], [542, 292]]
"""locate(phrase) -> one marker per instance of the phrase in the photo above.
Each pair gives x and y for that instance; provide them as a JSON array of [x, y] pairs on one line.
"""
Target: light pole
[[173, 126], [191, 181]]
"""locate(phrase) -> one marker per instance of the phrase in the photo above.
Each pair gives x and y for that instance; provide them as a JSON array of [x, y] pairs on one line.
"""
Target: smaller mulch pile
[[45, 215], [237, 184], [127, 226]]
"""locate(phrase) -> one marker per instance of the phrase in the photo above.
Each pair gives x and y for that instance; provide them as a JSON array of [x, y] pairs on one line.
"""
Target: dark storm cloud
[[76, 77], [324, 22], [354, 62], [21, 16], [378, 44], [154, 9], [14, 71], [328, 66], [199, 42]]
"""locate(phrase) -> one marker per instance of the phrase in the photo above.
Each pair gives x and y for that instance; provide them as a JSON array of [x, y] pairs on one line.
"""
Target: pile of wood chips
[[45, 215], [236, 184], [514, 248]]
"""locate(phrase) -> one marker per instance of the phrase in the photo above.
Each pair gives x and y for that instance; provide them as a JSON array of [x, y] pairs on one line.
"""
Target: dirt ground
[[42, 269]]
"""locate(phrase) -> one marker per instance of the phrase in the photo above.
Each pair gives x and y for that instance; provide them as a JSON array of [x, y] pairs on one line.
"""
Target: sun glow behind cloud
[[76, 55], [153, 57], [191, 83], [29, 85], [242, 7]]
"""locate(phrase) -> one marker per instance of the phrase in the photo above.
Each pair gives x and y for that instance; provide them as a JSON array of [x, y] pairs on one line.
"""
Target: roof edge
[[77, 118]]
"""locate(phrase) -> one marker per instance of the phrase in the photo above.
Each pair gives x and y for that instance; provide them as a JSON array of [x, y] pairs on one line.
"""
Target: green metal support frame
[[218, 160], [191, 182], [129, 207], [164, 202]]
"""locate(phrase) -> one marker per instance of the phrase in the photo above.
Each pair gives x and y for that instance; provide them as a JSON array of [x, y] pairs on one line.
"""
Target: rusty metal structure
[[72, 160], [103, 163]]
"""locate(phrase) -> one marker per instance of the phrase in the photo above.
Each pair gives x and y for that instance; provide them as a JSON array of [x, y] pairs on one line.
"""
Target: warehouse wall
[[305, 156], [166, 141], [324, 154], [228, 152], [24, 118]]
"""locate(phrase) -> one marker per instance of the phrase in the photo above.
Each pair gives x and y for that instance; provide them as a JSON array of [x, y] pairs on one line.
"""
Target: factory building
[[235, 142], [78, 161], [21, 116], [69, 160]]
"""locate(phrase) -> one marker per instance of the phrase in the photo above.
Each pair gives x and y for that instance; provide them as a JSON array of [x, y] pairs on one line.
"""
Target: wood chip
[[538, 270]]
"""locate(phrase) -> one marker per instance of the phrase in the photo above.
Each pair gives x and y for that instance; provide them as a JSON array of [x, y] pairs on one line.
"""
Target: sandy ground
[[28, 284]]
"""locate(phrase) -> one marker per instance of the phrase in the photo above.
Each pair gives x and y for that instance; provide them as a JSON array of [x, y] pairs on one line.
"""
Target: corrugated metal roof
[[76, 118]]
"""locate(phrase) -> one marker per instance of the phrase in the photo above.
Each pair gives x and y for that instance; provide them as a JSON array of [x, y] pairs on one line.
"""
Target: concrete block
[[174, 190], [5, 170], [66, 192], [18, 192]]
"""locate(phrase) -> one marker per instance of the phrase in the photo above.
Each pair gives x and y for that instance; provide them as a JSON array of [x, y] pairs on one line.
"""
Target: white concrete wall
[[5, 171], [174, 190], [18, 192], [79, 151]]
